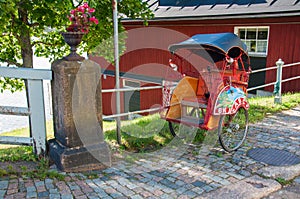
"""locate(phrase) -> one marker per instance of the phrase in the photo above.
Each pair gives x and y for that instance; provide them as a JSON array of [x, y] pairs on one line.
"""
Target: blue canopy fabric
[[219, 45]]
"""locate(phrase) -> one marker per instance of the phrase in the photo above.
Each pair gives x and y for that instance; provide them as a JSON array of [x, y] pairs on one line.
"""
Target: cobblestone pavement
[[192, 174]]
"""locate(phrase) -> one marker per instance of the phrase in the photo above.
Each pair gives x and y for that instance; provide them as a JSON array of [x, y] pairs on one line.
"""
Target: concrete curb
[[285, 172], [250, 188]]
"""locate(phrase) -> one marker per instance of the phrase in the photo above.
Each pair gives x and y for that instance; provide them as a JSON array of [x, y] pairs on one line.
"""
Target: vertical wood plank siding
[[108, 101], [150, 98], [284, 43]]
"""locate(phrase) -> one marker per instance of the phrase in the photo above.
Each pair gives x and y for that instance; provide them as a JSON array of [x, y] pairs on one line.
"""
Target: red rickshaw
[[216, 99]]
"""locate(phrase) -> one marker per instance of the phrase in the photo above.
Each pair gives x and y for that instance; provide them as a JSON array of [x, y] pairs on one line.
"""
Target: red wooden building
[[270, 28]]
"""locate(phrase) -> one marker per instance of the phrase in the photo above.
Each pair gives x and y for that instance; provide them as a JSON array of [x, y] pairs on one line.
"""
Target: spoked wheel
[[233, 130]]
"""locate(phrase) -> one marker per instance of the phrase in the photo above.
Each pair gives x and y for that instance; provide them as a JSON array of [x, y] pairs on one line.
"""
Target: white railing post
[[277, 87], [37, 116]]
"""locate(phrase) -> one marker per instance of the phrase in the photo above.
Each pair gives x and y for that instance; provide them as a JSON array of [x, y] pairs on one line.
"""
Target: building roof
[[222, 9]]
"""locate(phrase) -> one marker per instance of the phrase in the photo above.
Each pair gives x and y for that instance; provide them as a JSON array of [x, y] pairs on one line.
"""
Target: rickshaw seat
[[197, 101]]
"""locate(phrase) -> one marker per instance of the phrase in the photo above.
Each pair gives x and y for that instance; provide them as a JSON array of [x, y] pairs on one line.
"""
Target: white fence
[[36, 108], [278, 83]]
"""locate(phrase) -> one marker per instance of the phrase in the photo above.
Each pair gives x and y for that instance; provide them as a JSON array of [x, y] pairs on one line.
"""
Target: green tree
[[29, 27]]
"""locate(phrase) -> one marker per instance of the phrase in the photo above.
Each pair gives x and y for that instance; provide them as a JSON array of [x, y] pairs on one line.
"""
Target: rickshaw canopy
[[216, 45]]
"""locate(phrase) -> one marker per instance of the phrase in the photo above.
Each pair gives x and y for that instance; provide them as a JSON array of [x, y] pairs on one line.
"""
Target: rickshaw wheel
[[233, 130]]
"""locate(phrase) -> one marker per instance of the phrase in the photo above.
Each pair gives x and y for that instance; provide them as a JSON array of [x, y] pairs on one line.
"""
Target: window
[[256, 39], [130, 83]]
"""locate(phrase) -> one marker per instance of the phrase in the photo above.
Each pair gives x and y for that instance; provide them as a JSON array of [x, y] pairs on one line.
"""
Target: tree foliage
[[30, 27]]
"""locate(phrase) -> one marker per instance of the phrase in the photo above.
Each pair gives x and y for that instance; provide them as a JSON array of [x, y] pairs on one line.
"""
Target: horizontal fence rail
[[292, 64], [131, 113], [26, 73], [278, 83], [261, 86], [274, 67], [131, 89], [16, 140], [36, 110], [11, 110], [290, 79], [263, 69]]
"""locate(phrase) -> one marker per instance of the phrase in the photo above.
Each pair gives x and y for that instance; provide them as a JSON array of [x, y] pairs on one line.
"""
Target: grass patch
[[283, 181], [42, 171], [91, 175], [17, 164], [24, 132], [142, 134], [23, 153], [260, 107]]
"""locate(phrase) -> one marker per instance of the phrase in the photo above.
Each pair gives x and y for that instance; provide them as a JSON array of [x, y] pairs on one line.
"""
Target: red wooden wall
[[284, 42]]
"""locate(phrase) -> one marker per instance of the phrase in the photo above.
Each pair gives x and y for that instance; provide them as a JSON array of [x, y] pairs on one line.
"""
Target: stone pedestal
[[77, 113]]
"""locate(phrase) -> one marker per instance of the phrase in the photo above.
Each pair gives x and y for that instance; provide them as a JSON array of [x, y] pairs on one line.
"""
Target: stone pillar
[[77, 113]]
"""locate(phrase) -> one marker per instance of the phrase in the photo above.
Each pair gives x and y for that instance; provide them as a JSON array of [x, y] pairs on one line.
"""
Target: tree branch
[[42, 42], [33, 24], [79, 3], [9, 63], [13, 17]]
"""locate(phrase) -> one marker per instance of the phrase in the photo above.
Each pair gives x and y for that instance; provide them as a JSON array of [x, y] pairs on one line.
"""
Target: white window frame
[[129, 80], [254, 54]]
